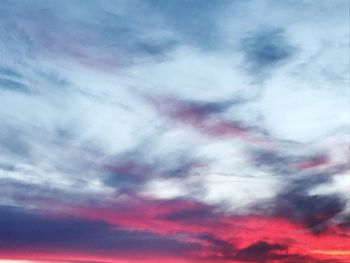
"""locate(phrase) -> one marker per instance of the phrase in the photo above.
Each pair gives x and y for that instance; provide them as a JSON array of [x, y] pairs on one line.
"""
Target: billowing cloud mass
[[178, 131]]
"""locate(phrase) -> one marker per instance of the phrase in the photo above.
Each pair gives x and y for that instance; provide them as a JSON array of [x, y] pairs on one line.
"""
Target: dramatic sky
[[174, 131]]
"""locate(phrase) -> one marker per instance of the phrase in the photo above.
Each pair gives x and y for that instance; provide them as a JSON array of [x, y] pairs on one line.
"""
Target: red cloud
[[220, 235]]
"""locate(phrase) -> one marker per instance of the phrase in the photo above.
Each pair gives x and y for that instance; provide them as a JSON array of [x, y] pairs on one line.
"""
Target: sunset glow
[[174, 131]]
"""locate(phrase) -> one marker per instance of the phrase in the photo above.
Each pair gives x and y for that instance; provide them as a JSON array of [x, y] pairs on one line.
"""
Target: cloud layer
[[174, 131]]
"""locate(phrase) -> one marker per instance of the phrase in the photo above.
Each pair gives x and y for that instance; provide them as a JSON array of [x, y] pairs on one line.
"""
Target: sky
[[176, 131]]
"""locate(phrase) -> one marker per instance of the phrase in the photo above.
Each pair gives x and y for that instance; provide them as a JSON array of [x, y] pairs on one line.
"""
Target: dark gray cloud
[[193, 215], [293, 160], [25, 193], [13, 85], [7, 167], [313, 211], [24, 229], [264, 252], [295, 202], [9, 72], [220, 249], [132, 170], [266, 48], [344, 223], [260, 251]]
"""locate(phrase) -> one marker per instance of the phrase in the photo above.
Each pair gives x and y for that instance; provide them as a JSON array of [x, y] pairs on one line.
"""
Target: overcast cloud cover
[[174, 131]]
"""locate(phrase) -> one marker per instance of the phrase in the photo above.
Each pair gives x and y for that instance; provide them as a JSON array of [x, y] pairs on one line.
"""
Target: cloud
[[174, 131], [301, 173], [314, 211], [12, 85], [193, 21], [8, 72], [202, 118], [260, 251], [115, 42], [27, 230], [266, 48], [221, 250]]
